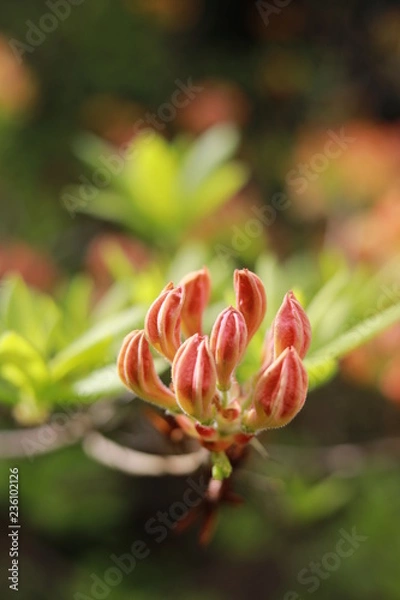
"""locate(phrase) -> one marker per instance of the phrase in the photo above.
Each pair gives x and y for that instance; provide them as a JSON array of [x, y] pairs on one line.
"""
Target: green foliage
[[159, 190], [54, 351], [49, 352], [345, 307]]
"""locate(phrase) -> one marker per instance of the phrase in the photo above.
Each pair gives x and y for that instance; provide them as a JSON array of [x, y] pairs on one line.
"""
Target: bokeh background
[[285, 77]]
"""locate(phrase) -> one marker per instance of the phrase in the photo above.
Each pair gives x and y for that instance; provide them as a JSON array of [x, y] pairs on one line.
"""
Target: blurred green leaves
[[346, 307], [48, 349], [55, 351], [320, 362], [158, 190]]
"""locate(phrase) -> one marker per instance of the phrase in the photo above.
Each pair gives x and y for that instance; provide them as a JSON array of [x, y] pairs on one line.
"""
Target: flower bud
[[136, 370], [228, 343], [163, 319], [194, 378], [291, 327], [250, 299], [197, 288], [279, 394]]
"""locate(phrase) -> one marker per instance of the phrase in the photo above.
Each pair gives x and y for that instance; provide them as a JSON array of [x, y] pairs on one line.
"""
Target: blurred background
[[282, 114]]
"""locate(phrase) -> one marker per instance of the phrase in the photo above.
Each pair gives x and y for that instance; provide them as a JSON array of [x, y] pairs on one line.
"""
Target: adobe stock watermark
[[304, 173], [157, 529], [36, 33], [266, 9], [80, 196], [315, 573]]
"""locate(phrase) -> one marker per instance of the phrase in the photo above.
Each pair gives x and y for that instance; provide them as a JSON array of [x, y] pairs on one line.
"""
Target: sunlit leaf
[[320, 361], [206, 154], [99, 384], [29, 313], [219, 187], [91, 347]]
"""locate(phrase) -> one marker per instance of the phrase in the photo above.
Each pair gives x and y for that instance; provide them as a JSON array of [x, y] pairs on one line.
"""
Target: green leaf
[[31, 314], [105, 204], [92, 347], [76, 307], [8, 393], [99, 384], [210, 150], [321, 372], [219, 187], [18, 352], [152, 178], [190, 257], [22, 368], [317, 308], [320, 361]]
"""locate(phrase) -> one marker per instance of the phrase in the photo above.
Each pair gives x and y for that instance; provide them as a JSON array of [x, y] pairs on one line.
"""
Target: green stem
[[224, 398], [222, 468]]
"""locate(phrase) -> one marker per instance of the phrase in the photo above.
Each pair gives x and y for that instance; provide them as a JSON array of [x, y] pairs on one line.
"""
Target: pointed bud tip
[[163, 320], [291, 327], [197, 290], [251, 299]]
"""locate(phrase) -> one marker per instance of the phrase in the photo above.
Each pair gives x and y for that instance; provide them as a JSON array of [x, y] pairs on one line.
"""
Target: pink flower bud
[[194, 378], [228, 343], [136, 370], [250, 299], [280, 392], [291, 327], [197, 288], [163, 319]]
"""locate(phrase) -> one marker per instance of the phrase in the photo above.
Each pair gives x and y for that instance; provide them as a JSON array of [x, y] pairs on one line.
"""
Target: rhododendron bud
[[291, 327], [136, 370], [197, 288], [194, 378], [228, 342], [210, 402], [280, 392], [250, 299], [163, 319]]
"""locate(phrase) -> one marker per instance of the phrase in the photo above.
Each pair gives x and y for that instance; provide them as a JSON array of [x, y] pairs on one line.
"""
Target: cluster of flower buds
[[204, 394]]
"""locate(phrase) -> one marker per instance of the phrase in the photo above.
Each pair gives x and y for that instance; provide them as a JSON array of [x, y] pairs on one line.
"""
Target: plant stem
[[222, 468]]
